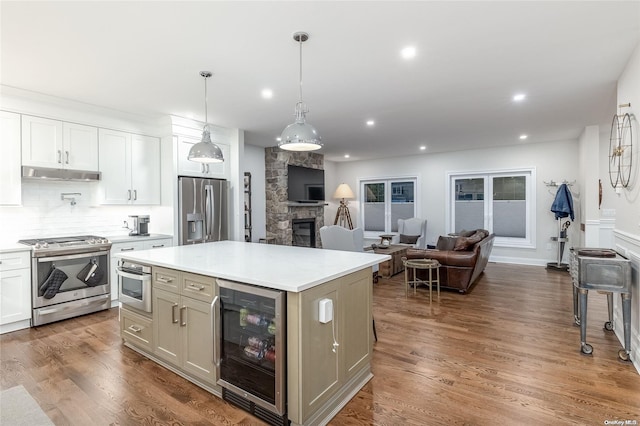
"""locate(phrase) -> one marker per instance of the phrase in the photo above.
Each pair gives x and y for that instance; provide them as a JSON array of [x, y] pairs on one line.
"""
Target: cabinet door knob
[[59, 156], [128, 194], [135, 328], [135, 194], [67, 155]]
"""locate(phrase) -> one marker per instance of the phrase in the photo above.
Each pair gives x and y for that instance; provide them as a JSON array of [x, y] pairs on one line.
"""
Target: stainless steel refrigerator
[[203, 210]]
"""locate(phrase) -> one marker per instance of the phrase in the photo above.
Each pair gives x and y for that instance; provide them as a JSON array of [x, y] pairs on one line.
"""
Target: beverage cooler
[[251, 349]]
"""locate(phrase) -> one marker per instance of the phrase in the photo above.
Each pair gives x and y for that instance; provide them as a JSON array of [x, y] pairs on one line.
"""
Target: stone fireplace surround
[[281, 212]]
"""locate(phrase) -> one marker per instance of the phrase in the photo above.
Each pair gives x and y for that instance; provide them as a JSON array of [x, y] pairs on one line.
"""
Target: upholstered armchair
[[412, 232], [336, 237]]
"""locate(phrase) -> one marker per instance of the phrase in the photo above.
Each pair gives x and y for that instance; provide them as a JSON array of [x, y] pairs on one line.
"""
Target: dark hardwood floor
[[506, 353]]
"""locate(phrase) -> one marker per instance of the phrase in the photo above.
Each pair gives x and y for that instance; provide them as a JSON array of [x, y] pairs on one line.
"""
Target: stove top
[[75, 244]]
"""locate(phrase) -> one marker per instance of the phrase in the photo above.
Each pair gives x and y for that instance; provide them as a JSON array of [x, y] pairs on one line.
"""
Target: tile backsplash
[[44, 214]]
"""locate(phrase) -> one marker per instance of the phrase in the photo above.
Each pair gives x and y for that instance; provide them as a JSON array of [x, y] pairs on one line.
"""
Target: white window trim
[[528, 242], [380, 179]]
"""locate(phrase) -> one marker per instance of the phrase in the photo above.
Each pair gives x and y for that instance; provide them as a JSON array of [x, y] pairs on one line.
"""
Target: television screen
[[306, 184]]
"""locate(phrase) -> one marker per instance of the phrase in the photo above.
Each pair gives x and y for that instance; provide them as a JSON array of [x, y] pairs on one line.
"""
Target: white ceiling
[[472, 57]]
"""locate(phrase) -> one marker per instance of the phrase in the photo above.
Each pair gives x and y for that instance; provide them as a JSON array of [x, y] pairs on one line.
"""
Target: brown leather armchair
[[462, 258]]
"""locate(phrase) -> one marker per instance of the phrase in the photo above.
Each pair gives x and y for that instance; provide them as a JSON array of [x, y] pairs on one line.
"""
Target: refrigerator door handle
[[208, 209]]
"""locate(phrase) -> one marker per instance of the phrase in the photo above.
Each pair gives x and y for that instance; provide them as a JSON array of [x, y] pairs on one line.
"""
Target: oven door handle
[[141, 277], [72, 256]]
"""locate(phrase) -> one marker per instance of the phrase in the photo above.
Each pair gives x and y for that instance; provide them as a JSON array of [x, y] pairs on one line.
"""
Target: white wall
[[556, 161], [625, 207]]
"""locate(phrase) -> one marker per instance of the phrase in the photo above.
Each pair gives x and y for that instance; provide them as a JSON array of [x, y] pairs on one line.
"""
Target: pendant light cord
[[300, 43], [206, 117]]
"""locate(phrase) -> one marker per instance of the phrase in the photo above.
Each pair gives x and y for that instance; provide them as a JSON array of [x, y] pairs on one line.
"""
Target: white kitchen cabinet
[[193, 168], [130, 166], [15, 290], [57, 144], [10, 174], [126, 246]]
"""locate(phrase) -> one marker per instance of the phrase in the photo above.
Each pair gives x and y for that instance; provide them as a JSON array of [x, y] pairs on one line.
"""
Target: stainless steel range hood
[[44, 173]]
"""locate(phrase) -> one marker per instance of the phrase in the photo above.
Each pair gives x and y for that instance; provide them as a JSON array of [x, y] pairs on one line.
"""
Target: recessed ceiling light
[[523, 137], [519, 97], [408, 52], [267, 93], [370, 122], [422, 148], [347, 156], [278, 138]]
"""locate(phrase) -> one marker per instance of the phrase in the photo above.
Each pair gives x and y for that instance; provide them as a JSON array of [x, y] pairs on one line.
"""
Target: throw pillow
[[446, 242], [408, 239], [467, 243], [464, 233]]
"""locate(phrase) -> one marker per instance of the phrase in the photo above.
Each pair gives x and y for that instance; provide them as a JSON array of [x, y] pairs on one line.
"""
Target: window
[[385, 201], [501, 202]]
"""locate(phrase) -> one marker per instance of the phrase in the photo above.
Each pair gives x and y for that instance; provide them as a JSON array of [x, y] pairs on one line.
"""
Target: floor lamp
[[343, 218]]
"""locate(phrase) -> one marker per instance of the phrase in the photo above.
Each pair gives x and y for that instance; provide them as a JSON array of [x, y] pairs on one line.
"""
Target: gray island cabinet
[[327, 363]]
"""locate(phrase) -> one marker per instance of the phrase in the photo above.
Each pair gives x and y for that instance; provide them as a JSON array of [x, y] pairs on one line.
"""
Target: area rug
[[18, 408]]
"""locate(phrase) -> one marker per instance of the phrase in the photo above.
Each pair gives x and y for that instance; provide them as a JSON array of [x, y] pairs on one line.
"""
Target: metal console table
[[606, 271]]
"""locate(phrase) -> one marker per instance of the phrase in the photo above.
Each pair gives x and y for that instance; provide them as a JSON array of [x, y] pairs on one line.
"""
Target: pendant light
[[300, 136], [206, 151]]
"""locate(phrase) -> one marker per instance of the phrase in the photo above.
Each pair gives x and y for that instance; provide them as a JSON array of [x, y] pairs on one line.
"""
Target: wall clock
[[620, 150]]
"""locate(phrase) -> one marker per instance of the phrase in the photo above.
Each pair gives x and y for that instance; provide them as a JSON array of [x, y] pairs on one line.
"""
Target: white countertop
[[285, 268], [129, 238], [9, 247]]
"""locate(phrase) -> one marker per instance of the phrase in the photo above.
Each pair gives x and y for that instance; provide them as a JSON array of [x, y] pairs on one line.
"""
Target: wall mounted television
[[306, 185]]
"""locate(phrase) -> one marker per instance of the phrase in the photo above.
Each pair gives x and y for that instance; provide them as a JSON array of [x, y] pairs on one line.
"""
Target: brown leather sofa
[[462, 258]]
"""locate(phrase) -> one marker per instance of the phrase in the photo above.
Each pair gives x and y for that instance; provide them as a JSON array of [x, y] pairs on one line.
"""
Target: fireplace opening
[[304, 232]]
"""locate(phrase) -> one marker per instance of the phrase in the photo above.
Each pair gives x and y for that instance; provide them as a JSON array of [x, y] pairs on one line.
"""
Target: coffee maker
[[139, 225]]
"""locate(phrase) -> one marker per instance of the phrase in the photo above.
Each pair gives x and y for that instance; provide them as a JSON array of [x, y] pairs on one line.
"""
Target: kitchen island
[[327, 362]]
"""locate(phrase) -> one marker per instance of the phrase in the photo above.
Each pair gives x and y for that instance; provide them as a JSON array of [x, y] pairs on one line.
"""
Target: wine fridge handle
[[216, 331]]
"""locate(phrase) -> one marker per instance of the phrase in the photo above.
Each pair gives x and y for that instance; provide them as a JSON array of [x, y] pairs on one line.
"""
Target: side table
[[430, 265], [394, 265]]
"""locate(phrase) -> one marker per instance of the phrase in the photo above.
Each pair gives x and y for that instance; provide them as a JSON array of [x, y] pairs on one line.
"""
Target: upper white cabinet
[[130, 166], [10, 176], [57, 144], [193, 168]]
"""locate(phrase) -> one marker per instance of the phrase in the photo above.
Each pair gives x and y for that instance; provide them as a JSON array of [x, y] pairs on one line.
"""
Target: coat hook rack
[[554, 183]]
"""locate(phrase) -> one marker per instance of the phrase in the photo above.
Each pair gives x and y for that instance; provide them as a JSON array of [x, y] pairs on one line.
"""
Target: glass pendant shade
[[205, 151], [300, 135]]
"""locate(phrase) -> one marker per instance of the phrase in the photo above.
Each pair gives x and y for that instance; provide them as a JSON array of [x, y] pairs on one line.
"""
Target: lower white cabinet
[[182, 325], [15, 289], [126, 246]]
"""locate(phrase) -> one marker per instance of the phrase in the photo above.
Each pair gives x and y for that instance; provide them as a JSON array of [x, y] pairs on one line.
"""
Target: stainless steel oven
[[134, 285], [69, 276]]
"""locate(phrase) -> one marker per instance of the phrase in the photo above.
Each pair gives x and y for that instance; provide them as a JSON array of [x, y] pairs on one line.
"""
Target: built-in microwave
[[134, 285]]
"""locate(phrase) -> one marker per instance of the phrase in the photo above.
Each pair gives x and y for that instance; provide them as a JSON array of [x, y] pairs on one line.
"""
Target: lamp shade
[[343, 191], [206, 151]]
